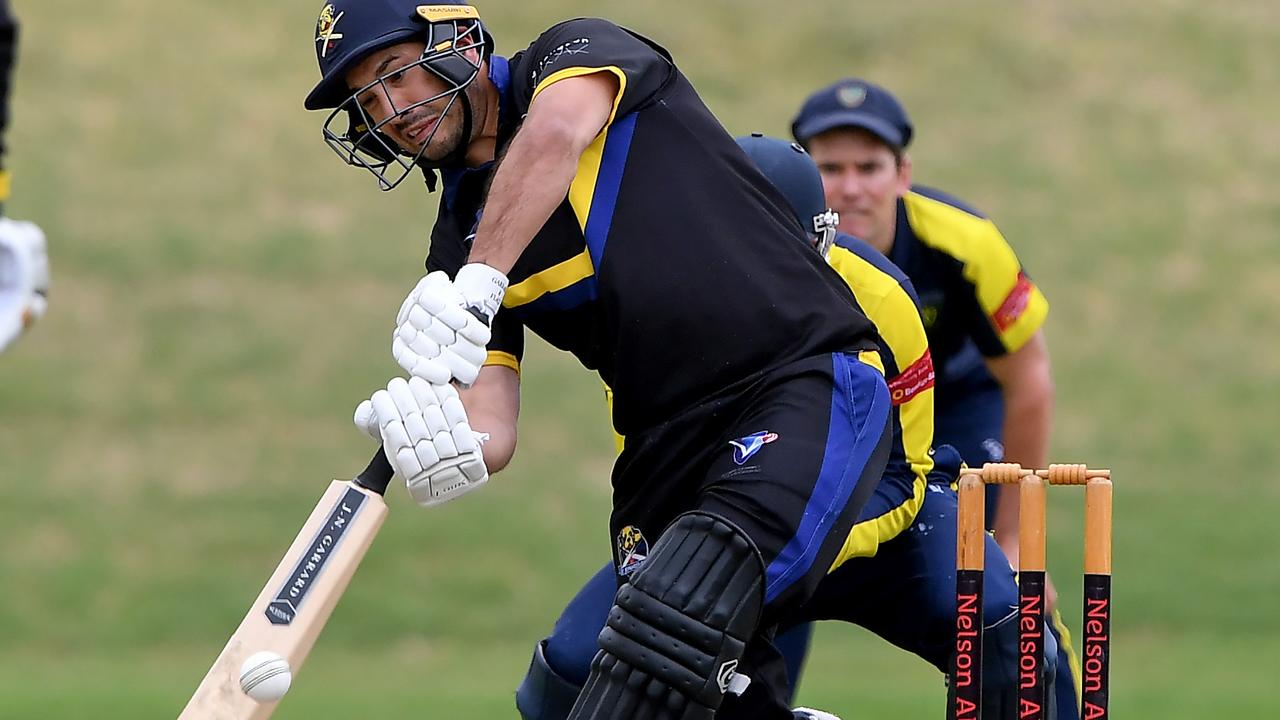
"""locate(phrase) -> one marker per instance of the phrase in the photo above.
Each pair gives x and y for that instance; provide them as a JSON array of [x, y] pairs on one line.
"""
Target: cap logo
[[326, 38], [851, 96], [440, 13]]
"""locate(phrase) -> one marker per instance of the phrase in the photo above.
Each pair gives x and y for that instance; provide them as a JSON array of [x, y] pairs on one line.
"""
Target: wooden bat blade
[[296, 603]]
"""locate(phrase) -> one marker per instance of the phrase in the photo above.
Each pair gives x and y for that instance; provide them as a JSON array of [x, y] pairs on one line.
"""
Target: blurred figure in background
[[24, 264], [983, 314]]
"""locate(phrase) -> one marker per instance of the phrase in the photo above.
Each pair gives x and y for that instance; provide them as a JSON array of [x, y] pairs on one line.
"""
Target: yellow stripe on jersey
[[581, 194], [502, 359], [583, 188], [5, 183], [867, 536], [1014, 305], [872, 358], [555, 278], [888, 306], [1073, 660], [572, 72], [618, 441]]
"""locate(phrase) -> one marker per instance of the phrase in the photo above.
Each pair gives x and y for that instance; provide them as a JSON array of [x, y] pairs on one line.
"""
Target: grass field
[[224, 290]]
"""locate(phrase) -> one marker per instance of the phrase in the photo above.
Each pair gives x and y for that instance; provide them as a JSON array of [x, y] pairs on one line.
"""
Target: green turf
[[223, 291]]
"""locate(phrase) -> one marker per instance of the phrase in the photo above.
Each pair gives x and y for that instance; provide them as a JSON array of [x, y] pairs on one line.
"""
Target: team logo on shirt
[[745, 447], [851, 96], [929, 315], [633, 550], [326, 38]]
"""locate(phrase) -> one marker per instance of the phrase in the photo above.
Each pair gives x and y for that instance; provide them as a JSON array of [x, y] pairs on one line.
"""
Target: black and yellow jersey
[[673, 267], [975, 298], [888, 300], [886, 296]]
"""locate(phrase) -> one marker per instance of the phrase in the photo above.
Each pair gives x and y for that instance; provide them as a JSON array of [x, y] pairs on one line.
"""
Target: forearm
[[501, 445], [1028, 417], [493, 407], [535, 172], [1026, 383], [531, 181], [1027, 422]]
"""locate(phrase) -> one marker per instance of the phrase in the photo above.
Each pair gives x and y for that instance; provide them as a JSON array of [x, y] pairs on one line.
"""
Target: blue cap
[[854, 103]]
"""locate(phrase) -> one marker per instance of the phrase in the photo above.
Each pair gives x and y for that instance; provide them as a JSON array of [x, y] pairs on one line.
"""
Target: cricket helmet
[[792, 171], [347, 31]]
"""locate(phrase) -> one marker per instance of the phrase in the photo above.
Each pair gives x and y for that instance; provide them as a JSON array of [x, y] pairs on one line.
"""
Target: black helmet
[[792, 171], [347, 31]]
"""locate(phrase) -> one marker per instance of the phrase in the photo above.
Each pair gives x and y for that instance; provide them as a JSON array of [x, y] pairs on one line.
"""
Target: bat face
[[283, 610], [292, 609]]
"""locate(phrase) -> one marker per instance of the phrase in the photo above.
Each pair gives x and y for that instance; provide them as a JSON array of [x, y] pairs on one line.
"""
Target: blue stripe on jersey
[[859, 413], [614, 160]]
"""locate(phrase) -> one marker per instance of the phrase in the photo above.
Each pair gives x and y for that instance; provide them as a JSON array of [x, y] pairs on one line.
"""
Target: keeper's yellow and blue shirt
[[673, 267], [887, 297], [976, 300]]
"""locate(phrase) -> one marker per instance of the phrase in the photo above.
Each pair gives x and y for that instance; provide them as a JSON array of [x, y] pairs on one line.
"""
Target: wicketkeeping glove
[[427, 438], [24, 278]]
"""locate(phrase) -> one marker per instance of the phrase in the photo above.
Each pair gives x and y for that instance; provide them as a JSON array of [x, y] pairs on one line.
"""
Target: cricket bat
[[292, 609]]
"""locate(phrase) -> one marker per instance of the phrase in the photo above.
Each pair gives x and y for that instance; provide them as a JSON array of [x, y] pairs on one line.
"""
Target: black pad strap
[[677, 630]]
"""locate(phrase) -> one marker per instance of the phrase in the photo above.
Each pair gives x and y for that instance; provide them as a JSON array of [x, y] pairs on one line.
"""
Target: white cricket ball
[[265, 676]]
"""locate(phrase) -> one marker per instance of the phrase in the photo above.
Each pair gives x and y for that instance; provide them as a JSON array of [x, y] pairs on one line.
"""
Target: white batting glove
[[427, 438], [24, 278], [443, 326], [802, 713]]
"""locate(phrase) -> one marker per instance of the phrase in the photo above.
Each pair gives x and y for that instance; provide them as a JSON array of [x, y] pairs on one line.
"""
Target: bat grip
[[377, 475]]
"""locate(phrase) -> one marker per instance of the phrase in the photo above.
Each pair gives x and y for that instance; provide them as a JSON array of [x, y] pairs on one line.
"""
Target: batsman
[[589, 195]]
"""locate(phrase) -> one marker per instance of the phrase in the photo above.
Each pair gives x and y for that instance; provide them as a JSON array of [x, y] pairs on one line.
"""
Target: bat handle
[[378, 475]]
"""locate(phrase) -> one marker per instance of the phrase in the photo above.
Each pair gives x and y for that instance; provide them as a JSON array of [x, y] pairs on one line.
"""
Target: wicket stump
[[966, 670]]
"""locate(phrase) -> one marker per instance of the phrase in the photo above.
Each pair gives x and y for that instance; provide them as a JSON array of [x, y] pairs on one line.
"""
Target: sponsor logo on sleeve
[[1015, 303], [909, 383]]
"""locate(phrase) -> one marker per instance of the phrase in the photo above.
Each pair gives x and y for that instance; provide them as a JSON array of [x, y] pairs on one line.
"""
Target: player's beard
[[446, 137]]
